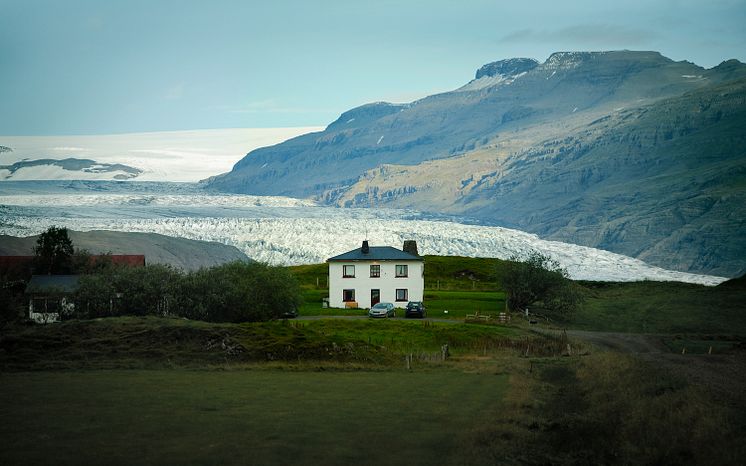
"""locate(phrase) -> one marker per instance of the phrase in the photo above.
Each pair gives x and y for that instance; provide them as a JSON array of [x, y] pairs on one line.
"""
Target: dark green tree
[[238, 292], [54, 251], [539, 281], [233, 292]]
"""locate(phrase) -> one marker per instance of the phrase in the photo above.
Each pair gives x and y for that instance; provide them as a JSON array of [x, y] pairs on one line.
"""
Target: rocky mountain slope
[[626, 151], [184, 253]]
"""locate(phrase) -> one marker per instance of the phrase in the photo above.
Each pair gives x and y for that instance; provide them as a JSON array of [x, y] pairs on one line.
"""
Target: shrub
[[538, 279], [234, 292]]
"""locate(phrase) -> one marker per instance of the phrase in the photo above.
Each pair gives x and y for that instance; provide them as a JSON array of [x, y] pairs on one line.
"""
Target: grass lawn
[[457, 303], [662, 307], [241, 417], [412, 335], [441, 273], [699, 346]]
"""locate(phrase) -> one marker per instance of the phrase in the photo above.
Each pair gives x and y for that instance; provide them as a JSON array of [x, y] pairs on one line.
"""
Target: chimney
[[365, 248], [410, 246]]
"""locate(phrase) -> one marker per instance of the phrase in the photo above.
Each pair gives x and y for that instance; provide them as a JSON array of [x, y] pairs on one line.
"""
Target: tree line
[[233, 292]]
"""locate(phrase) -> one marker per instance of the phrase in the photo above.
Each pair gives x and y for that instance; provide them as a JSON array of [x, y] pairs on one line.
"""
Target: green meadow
[[155, 390]]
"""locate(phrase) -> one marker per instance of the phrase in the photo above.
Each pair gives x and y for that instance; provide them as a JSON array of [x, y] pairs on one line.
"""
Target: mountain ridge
[[513, 113]]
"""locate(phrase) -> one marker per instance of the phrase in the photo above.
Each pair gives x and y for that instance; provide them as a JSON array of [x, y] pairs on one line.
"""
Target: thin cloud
[[269, 106], [68, 149], [584, 34]]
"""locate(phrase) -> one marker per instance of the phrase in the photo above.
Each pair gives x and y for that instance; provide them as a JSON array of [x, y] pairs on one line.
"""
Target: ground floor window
[[348, 295], [402, 294]]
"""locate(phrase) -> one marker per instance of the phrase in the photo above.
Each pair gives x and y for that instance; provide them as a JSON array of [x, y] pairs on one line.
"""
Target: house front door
[[375, 297]]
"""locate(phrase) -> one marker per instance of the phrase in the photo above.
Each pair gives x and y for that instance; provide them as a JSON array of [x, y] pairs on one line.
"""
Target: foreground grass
[[608, 408], [335, 391], [156, 343], [244, 417], [404, 336]]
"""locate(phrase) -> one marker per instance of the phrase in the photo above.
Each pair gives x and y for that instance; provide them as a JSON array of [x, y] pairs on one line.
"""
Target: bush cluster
[[541, 280], [233, 292]]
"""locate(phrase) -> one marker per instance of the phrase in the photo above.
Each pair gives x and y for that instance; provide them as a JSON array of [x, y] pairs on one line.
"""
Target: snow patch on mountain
[[490, 81], [161, 156]]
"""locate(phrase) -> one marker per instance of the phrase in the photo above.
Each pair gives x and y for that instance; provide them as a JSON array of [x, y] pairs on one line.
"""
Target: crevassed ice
[[305, 239]]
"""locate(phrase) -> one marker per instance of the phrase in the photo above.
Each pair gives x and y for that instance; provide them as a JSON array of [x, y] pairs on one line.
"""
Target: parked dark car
[[415, 309], [291, 314]]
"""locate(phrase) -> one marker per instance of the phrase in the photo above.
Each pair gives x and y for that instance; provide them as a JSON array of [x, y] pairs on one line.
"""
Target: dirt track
[[724, 375]]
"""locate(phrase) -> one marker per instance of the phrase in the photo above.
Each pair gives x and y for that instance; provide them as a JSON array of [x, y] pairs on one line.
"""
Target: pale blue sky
[[106, 66]]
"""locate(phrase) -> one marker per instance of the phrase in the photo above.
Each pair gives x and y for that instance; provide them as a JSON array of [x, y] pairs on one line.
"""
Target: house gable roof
[[375, 253], [53, 283]]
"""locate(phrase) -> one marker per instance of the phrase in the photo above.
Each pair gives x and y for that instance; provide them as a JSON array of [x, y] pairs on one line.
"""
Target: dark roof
[[376, 253], [51, 283], [132, 260]]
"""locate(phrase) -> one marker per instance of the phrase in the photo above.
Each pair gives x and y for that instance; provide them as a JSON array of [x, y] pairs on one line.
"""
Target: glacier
[[288, 231]]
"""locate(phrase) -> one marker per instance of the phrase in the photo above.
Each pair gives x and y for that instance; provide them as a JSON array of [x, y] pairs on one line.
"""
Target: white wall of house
[[387, 283]]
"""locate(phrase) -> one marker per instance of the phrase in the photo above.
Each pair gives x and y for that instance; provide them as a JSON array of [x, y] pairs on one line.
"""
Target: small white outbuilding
[[371, 274]]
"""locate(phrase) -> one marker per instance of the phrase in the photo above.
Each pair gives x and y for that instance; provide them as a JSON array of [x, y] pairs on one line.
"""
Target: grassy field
[[662, 307], [152, 390], [462, 285], [457, 304], [334, 391], [447, 273], [158, 343], [404, 336], [241, 417], [610, 408]]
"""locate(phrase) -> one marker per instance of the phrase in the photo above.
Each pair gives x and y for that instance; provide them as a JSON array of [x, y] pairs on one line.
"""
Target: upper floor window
[[375, 271], [348, 271], [402, 271]]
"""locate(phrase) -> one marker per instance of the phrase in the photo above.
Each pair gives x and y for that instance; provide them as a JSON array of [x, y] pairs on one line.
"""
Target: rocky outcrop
[[510, 67]]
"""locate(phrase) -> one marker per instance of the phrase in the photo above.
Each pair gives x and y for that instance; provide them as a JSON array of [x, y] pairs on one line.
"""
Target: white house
[[371, 274]]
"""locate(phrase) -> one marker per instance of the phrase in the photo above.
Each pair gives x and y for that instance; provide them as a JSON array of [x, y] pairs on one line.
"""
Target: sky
[[98, 67]]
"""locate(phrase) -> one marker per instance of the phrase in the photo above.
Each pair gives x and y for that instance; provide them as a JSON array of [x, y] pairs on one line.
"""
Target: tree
[[541, 280], [238, 292], [233, 292], [54, 251]]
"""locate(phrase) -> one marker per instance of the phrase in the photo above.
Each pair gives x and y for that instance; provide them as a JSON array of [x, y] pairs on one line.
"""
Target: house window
[[401, 271], [402, 294], [348, 271], [348, 296], [375, 271]]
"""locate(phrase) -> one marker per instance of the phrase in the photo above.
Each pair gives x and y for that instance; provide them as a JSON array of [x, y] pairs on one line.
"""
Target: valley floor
[[350, 391]]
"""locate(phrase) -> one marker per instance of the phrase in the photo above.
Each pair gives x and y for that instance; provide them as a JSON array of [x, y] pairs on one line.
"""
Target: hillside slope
[[158, 249], [626, 151], [663, 183]]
